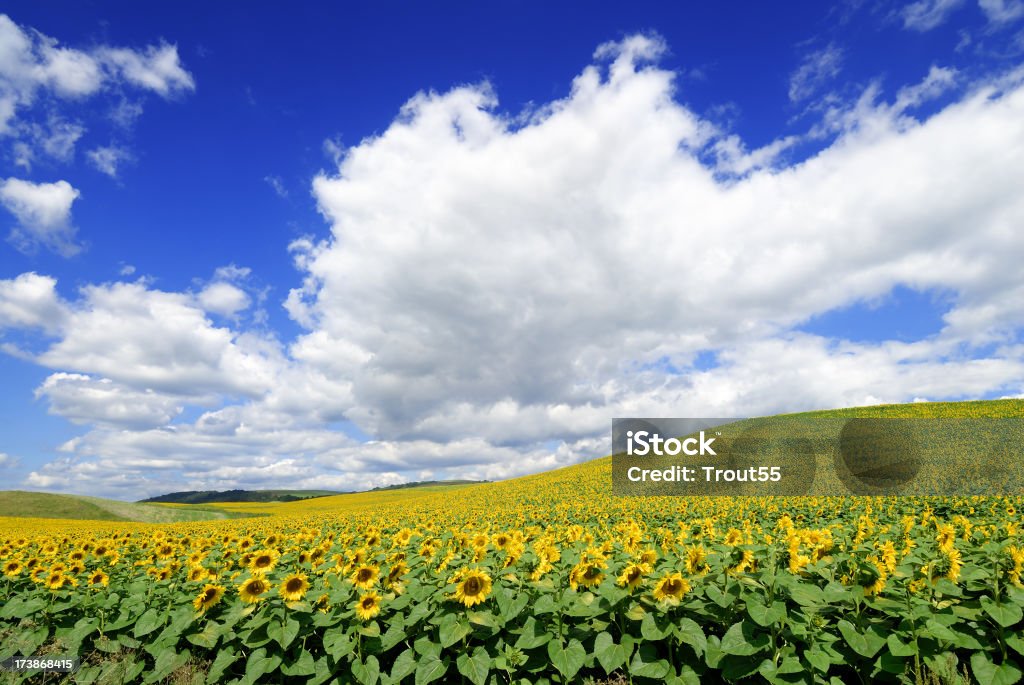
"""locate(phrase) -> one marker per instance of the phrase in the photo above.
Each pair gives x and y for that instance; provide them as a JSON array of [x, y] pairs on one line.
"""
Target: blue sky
[[348, 246]]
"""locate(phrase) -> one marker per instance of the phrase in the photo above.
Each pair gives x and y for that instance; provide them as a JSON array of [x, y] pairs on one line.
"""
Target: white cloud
[[495, 282], [7, 461], [32, 63], [43, 212], [1002, 11], [223, 298], [925, 15], [86, 400], [31, 301], [816, 69], [109, 158]]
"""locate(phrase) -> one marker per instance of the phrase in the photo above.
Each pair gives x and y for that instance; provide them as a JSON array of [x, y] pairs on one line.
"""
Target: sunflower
[[210, 595], [1016, 564], [197, 574], [471, 586], [251, 589], [633, 575], [98, 578], [365, 576], [55, 580], [12, 568], [946, 537], [263, 562], [587, 574], [648, 556], [696, 560], [367, 606], [733, 537], [951, 562], [393, 580], [294, 587], [671, 588], [871, 575]]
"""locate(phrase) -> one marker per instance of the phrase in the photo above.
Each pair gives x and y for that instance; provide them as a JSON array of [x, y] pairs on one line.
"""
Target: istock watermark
[[807, 455]]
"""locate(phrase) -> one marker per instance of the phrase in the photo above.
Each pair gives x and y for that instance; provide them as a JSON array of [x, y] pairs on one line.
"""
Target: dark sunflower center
[[592, 572], [262, 561], [209, 595], [471, 586], [633, 575], [293, 585], [368, 603], [672, 587], [364, 575]]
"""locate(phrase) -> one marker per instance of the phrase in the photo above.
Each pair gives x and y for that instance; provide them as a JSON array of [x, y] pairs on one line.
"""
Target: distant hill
[[427, 483], [21, 504], [211, 496]]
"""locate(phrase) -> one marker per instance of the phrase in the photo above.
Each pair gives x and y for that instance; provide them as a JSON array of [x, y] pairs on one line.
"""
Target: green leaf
[[646, 663], [453, 629], [338, 643], [898, 648], [259, 664], [404, 665], [655, 627], [690, 633], [283, 632], [1015, 642], [568, 659], [865, 644], [301, 666], [807, 595], [742, 639], [718, 597], [475, 667], [736, 667], [225, 658], [987, 673], [394, 635], [1004, 614], [367, 672], [818, 659], [208, 636], [533, 635], [766, 615], [610, 655], [148, 622], [168, 662], [430, 669]]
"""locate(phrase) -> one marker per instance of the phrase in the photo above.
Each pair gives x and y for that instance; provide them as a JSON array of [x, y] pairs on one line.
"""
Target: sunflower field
[[543, 579]]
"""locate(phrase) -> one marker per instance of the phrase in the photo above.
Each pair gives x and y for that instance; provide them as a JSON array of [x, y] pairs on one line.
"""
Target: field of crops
[[541, 579]]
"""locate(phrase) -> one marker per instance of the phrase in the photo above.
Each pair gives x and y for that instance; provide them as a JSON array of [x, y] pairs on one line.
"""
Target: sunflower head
[[252, 589], [633, 575], [98, 579], [365, 576], [294, 587], [263, 561], [671, 588], [210, 595], [472, 587], [367, 606]]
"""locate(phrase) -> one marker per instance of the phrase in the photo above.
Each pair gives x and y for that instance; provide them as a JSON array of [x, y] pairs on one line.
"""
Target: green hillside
[[21, 504]]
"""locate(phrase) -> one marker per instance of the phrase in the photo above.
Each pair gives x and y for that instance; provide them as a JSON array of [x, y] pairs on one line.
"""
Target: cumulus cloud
[[43, 214], [31, 301], [223, 298], [99, 401], [925, 15], [497, 283], [33, 64]]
